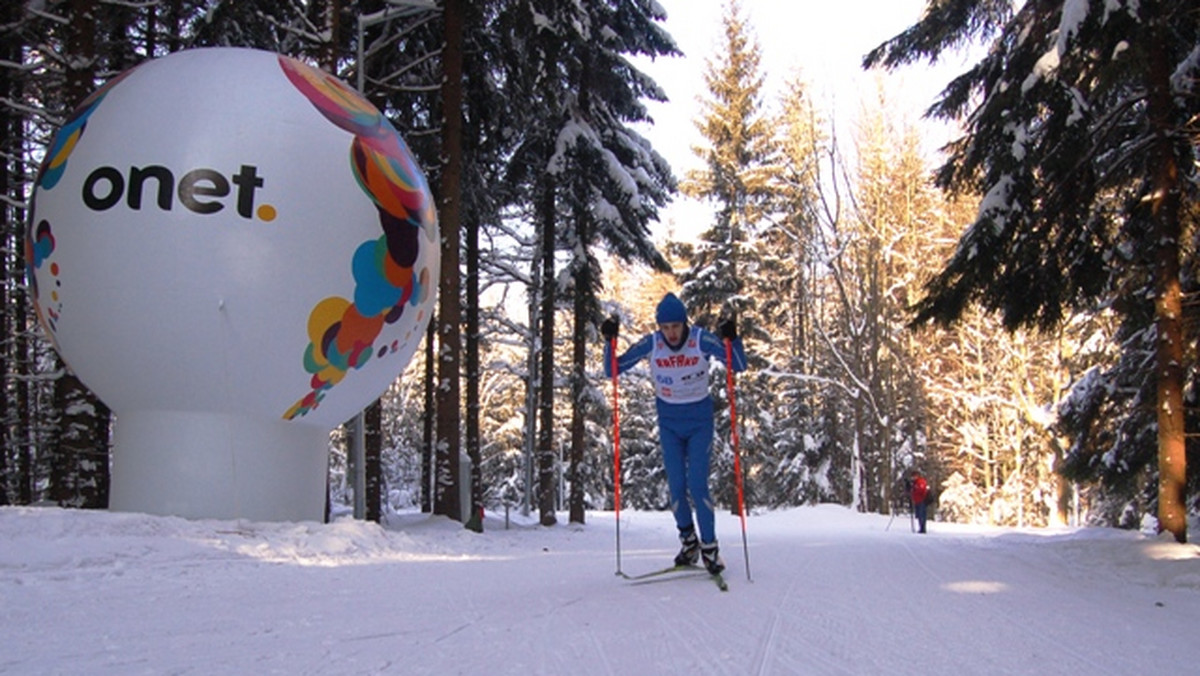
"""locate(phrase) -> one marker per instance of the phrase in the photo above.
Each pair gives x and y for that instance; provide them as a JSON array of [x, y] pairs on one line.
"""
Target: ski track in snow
[[1029, 626], [834, 592]]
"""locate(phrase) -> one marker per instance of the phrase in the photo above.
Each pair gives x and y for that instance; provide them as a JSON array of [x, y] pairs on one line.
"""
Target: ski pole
[[737, 463], [616, 449]]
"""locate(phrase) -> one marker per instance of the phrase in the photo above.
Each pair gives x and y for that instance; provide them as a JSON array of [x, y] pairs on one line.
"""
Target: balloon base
[[218, 466]]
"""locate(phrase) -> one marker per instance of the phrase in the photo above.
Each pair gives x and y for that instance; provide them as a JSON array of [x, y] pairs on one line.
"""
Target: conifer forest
[[1017, 318]]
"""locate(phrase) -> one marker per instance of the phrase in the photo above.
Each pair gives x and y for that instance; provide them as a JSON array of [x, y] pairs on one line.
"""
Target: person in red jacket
[[918, 493]]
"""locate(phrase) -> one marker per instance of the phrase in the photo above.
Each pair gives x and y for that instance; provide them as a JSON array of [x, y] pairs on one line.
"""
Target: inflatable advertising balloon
[[236, 252]]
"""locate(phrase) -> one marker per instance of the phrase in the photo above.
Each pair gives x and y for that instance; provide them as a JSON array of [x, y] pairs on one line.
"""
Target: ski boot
[[712, 558], [689, 553]]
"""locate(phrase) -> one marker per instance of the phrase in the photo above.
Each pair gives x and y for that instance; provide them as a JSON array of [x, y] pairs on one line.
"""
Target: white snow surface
[[833, 592]]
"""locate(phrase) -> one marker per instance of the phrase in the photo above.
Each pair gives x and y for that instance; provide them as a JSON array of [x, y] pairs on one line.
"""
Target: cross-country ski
[[674, 572]]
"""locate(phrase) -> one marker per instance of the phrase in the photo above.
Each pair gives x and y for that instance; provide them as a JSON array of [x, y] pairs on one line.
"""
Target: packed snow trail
[[834, 592]]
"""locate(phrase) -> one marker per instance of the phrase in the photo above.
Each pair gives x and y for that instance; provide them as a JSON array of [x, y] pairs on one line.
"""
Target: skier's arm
[[640, 350], [714, 347]]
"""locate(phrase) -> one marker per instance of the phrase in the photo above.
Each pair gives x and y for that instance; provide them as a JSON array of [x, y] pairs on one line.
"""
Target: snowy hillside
[[833, 592]]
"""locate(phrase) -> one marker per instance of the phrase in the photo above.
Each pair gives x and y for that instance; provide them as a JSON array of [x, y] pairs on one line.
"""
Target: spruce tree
[[613, 183], [583, 177], [533, 68], [785, 289], [739, 158], [1078, 136], [739, 178]]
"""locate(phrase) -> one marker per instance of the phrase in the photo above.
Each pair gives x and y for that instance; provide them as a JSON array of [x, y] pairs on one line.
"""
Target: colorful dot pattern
[[342, 333], [39, 237]]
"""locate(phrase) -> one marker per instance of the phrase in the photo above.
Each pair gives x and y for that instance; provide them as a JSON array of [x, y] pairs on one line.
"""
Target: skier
[[679, 355], [919, 491]]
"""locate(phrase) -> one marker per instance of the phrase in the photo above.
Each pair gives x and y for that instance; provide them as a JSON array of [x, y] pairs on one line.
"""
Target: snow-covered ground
[[833, 592]]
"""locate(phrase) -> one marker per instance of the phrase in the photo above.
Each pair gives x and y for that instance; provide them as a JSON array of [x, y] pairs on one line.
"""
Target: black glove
[[609, 328], [728, 329]]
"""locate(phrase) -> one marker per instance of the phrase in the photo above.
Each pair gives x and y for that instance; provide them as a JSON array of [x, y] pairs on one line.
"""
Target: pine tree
[[739, 178], [613, 183], [1078, 136], [579, 93], [535, 34], [785, 289], [874, 263]]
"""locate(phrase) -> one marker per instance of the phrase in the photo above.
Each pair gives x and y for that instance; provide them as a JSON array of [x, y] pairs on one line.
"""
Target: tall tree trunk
[[80, 436], [22, 436], [174, 22], [428, 417], [531, 383], [449, 446], [1164, 206], [547, 462], [575, 472], [583, 288], [95, 474], [10, 223], [372, 460], [327, 13], [475, 520], [80, 76], [76, 440]]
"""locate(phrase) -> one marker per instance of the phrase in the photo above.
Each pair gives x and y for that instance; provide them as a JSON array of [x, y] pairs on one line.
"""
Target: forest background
[[1022, 406]]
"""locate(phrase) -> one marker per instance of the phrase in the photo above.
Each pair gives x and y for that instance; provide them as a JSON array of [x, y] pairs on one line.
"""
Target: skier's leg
[[673, 462], [699, 450]]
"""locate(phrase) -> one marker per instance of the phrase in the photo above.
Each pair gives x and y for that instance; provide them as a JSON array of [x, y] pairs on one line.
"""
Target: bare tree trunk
[[174, 21], [81, 52], [1164, 206], [75, 440], [545, 451], [22, 445], [428, 418], [95, 482], [575, 472], [80, 436], [372, 460], [475, 520], [449, 444], [11, 194], [327, 13], [531, 384]]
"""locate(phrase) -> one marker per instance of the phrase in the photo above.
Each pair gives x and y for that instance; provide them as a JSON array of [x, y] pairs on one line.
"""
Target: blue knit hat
[[670, 309]]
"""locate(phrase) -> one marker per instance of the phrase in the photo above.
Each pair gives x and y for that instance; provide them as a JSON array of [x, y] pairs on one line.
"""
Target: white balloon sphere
[[236, 252]]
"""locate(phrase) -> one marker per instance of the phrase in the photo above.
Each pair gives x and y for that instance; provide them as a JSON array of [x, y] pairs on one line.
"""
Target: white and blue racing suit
[[685, 414]]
